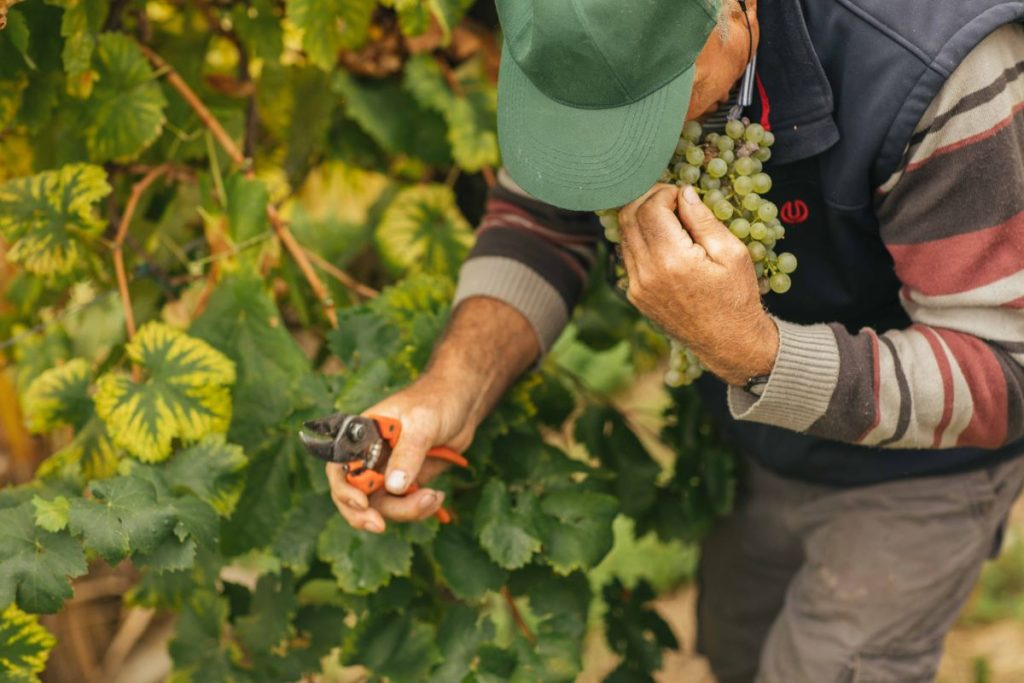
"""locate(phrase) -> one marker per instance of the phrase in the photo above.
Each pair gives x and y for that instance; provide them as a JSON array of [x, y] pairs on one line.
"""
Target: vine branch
[[224, 140], [517, 616]]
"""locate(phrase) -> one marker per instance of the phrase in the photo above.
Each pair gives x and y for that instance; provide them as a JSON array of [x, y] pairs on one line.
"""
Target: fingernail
[[396, 481], [690, 195], [428, 500], [374, 526]]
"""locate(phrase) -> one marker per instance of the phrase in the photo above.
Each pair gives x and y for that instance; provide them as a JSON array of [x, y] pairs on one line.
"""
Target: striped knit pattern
[[953, 219]]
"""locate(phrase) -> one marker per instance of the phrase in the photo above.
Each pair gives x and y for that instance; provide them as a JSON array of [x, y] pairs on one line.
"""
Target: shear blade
[[326, 426], [319, 446]]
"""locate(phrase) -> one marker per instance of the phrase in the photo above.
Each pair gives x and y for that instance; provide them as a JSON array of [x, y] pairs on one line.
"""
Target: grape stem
[[517, 616]]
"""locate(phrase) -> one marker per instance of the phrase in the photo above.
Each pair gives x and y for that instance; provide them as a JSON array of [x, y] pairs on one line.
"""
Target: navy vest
[[843, 84]]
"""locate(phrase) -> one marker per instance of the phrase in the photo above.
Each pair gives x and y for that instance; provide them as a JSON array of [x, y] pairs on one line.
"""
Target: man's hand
[[695, 279], [486, 346], [430, 416]]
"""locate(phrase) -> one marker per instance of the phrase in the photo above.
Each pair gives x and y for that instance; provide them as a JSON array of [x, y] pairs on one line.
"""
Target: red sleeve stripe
[[946, 375], [967, 261], [987, 383]]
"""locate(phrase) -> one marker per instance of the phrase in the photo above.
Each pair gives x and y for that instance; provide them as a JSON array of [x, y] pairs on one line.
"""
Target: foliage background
[[220, 218]]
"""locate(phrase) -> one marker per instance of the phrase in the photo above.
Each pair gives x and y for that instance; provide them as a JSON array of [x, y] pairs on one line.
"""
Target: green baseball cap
[[592, 93]]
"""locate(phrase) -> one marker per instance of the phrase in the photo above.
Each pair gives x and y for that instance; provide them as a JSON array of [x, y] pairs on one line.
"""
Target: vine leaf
[[35, 564], [399, 648], [125, 113], [423, 229], [186, 395], [465, 566], [508, 534], [212, 470], [330, 25], [52, 515], [635, 631], [58, 396], [45, 217], [579, 532], [24, 646], [608, 437], [90, 455], [79, 26], [363, 562]]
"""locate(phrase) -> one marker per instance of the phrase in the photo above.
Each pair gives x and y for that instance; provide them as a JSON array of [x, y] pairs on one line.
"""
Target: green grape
[[713, 197], [665, 177], [711, 138], [762, 183], [717, 168], [687, 173], [758, 231], [778, 231], [734, 129], [769, 241], [742, 185], [754, 133], [728, 156], [758, 166], [751, 201], [787, 262], [724, 143], [693, 371], [769, 139], [695, 156], [744, 166], [780, 283], [682, 146], [757, 251], [763, 285], [767, 211], [771, 257], [692, 131], [759, 269], [723, 210], [709, 183], [610, 223], [740, 227], [762, 154]]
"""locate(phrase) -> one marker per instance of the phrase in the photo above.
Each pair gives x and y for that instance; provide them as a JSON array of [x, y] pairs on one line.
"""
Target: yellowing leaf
[[330, 25], [424, 230], [24, 646], [47, 216], [90, 455], [185, 395], [125, 113], [58, 396]]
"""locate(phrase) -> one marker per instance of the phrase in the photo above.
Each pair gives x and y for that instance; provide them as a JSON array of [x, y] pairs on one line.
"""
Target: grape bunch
[[726, 170]]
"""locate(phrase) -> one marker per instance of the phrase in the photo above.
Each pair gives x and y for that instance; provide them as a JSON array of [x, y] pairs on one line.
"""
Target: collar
[[793, 88]]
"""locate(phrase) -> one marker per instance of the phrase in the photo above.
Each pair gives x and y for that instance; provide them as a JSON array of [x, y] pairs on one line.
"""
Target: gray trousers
[[813, 584]]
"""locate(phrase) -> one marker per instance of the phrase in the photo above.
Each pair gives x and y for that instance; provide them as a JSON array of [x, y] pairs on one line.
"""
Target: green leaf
[[125, 113], [24, 646], [259, 28], [423, 78], [123, 516], [608, 438], [46, 217], [330, 25], [79, 26], [465, 566], [247, 207], [35, 564], [424, 230], [199, 648], [212, 470], [186, 395], [270, 615], [363, 562], [296, 540], [59, 396], [634, 630], [52, 515], [459, 638], [398, 648], [579, 533], [267, 497], [393, 118], [508, 534], [474, 142]]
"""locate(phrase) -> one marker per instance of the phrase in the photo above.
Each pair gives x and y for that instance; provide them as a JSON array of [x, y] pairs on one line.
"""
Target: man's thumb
[[700, 222], [407, 458]]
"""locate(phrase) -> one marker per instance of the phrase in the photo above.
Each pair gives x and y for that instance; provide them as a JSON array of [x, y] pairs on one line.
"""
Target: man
[[879, 406]]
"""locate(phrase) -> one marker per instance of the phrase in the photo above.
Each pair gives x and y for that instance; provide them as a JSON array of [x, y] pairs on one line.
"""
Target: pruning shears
[[363, 444]]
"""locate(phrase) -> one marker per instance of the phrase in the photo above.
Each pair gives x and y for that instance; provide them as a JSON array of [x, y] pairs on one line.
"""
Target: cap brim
[[586, 159]]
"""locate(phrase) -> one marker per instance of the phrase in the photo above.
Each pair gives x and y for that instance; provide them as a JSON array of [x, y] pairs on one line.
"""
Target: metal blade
[[326, 426], [319, 446]]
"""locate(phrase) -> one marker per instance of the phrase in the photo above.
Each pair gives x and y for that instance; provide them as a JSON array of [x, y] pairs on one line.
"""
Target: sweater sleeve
[[532, 256], [952, 217]]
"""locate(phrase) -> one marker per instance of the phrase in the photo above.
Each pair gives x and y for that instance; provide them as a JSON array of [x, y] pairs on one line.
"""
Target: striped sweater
[[952, 218]]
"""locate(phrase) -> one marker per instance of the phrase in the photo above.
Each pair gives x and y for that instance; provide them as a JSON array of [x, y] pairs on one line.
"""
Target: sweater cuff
[[801, 383], [519, 286]]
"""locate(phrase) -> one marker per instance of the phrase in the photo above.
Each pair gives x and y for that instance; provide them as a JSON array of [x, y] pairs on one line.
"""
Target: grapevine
[[727, 171]]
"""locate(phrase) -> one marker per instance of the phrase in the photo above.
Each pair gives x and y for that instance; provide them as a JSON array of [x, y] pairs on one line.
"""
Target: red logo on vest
[[794, 211]]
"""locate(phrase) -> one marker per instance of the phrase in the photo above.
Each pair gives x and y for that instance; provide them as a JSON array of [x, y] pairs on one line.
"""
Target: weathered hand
[[695, 279], [431, 416]]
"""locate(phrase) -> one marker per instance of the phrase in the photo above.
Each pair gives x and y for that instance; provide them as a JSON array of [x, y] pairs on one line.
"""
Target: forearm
[[486, 346]]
